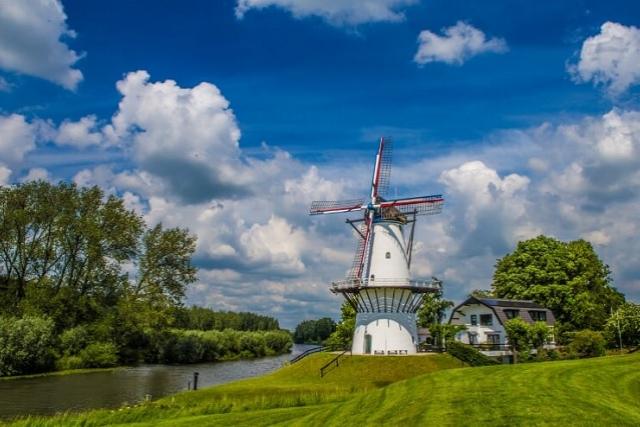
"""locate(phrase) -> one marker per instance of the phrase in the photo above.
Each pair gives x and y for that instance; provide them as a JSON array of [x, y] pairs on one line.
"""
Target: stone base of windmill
[[387, 334]]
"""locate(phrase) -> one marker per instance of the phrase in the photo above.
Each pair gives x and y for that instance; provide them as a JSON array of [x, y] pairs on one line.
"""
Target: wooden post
[[195, 380]]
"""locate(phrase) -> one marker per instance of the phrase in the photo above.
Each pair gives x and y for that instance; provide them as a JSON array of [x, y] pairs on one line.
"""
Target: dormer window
[[538, 316], [512, 314]]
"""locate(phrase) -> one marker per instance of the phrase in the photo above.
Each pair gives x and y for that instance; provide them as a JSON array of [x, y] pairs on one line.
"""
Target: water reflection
[[47, 395]]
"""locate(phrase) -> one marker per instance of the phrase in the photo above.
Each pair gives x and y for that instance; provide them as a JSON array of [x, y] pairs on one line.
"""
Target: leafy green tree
[[433, 309], [518, 332], [539, 333], [624, 324], [314, 331], [343, 335], [568, 278], [62, 250]]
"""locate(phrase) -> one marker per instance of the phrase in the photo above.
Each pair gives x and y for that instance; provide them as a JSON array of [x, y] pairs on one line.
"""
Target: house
[[484, 319]]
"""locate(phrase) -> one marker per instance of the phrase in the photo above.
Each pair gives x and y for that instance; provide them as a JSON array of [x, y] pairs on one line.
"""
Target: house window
[[473, 338], [511, 314], [538, 316], [474, 319], [486, 319], [387, 255], [493, 338]]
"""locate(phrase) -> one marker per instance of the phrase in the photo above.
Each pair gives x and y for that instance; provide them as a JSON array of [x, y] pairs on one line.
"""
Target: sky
[[230, 117]]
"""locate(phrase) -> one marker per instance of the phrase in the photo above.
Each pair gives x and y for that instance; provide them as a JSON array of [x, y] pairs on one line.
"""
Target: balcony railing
[[414, 285]]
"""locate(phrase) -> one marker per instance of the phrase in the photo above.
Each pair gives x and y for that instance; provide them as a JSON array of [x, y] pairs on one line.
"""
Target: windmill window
[[387, 255]]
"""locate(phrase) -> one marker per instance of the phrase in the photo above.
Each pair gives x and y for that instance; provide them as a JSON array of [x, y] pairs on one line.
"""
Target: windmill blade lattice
[[320, 207], [428, 205], [385, 167]]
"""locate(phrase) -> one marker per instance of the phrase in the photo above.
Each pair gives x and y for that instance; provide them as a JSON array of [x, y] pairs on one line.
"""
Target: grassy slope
[[602, 391], [297, 389]]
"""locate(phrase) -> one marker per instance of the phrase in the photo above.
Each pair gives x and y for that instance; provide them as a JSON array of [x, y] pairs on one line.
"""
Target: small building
[[484, 319]]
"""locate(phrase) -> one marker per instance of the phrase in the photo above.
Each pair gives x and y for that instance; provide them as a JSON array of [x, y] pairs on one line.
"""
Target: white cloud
[[610, 58], [336, 12], [31, 41], [457, 44], [17, 138], [5, 174], [80, 134], [182, 136], [37, 174]]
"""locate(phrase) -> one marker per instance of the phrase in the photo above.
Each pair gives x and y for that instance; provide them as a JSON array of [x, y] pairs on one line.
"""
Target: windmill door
[[367, 344]]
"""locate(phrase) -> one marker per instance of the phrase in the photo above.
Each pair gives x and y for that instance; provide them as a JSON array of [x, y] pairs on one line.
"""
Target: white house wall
[[459, 318]]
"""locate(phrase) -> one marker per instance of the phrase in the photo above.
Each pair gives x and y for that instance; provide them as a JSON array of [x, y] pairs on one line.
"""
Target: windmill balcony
[[417, 286]]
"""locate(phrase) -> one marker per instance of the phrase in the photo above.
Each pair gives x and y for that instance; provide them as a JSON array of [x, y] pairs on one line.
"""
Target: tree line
[[85, 282], [314, 331]]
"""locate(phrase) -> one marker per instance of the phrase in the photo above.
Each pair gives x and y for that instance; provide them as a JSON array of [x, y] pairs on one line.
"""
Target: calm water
[[47, 395]]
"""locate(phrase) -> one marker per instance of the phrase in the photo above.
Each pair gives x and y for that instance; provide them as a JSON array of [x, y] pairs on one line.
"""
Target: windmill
[[379, 285]]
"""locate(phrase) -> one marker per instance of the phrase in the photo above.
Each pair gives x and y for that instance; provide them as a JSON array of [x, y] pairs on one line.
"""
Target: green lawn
[[420, 390]]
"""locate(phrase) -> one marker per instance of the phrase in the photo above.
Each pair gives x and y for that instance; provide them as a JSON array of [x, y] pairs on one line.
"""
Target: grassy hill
[[421, 390]]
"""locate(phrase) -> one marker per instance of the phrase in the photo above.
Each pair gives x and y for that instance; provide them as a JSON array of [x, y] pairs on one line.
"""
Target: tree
[[62, 249], [518, 333], [624, 325], [343, 335], [314, 331], [567, 278], [539, 334], [433, 309]]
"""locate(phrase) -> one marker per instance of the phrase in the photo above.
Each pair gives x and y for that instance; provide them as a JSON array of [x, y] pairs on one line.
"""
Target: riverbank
[[113, 388], [294, 385], [427, 390], [61, 373]]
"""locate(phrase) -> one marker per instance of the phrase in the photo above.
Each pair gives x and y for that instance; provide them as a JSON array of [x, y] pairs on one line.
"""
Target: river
[[110, 389]]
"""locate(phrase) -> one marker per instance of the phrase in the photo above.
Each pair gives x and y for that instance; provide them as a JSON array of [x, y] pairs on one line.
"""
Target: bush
[[26, 345], [587, 343], [99, 355], [468, 354], [69, 362], [73, 340]]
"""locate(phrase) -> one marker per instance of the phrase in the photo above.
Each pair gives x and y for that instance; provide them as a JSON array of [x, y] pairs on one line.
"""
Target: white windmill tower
[[379, 285]]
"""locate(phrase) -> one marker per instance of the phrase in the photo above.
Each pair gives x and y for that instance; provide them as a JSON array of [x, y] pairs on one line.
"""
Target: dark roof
[[498, 306], [509, 303]]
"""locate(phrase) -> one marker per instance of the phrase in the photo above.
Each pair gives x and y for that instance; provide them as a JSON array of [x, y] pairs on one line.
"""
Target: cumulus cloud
[[610, 59], [17, 138], [80, 134], [31, 41], [37, 174], [336, 12], [182, 136], [5, 173], [457, 44]]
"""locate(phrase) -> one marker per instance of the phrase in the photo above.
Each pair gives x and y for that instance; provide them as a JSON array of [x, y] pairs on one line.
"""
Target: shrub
[[73, 340], [26, 345], [99, 355], [69, 362], [587, 343], [468, 354]]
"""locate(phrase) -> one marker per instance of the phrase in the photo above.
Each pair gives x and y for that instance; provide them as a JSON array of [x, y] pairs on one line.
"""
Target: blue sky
[[526, 131]]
